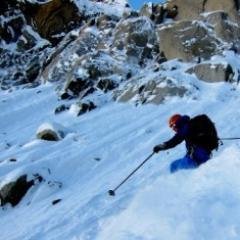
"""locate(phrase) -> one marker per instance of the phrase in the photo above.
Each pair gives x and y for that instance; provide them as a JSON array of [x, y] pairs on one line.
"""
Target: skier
[[200, 136]]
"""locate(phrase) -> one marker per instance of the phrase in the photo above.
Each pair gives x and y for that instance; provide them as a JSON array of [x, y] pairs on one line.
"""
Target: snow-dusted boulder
[[151, 92], [53, 18], [51, 132], [75, 87], [65, 63], [210, 72], [106, 84], [12, 192], [187, 40], [136, 36], [78, 109], [61, 108]]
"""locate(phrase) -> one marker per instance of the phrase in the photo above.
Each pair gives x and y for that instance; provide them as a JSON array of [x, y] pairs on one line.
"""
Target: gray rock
[[106, 85], [14, 191], [212, 73], [53, 18], [151, 93], [50, 132], [134, 35], [86, 107], [75, 87], [188, 41], [223, 27], [191, 9]]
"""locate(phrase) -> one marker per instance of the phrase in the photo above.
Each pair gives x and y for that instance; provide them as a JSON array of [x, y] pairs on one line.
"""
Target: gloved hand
[[158, 148]]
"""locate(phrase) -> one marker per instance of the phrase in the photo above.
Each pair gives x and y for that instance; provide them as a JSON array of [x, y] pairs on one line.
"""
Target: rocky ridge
[[86, 48]]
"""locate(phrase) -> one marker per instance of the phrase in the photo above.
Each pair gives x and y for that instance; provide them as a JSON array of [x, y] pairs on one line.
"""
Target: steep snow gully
[[102, 147]]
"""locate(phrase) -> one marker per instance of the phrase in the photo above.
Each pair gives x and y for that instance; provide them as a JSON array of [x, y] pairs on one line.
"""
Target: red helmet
[[173, 121]]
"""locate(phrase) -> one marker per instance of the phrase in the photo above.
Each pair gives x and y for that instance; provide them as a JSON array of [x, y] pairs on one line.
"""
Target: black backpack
[[202, 132]]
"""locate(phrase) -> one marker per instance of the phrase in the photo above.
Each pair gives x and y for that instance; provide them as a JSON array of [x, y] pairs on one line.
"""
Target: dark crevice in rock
[[204, 4], [236, 4]]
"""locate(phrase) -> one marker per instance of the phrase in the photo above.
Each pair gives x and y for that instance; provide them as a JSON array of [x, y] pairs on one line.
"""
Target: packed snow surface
[[99, 150]]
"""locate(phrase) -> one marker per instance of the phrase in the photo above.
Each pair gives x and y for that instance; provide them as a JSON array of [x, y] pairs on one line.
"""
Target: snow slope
[[100, 149]]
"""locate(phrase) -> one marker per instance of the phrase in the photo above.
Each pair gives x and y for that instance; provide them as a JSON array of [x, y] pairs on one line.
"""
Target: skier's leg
[[183, 163]]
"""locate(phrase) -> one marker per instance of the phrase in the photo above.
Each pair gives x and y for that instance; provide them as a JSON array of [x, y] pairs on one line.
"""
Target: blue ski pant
[[198, 157]]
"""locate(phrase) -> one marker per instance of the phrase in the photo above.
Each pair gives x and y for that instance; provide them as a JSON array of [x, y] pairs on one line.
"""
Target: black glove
[[158, 148]]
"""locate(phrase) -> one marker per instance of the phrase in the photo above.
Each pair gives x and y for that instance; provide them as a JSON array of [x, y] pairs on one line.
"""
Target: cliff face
[[81, 45]]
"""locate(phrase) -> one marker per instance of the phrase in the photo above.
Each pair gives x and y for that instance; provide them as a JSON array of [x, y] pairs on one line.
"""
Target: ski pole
[[232, 138], [112, 192]]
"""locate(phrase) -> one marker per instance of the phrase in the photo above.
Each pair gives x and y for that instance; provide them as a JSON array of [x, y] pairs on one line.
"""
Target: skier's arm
[[171, 143]]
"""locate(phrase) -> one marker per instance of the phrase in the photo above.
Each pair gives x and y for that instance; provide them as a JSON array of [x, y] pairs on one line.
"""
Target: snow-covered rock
[[213, 72], [51, 132], [188, 41]]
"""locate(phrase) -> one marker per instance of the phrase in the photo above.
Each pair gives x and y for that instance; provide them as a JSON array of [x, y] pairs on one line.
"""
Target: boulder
[[86, 107], [50, 132], [65, 62], [102, 64], [135, 36], [209, 72], [53, 18], [106, 85], [151, 92], [19, 68], [83, 107], [14, 191], [187, 40], [75, 87], [127, 95], [61, 109]]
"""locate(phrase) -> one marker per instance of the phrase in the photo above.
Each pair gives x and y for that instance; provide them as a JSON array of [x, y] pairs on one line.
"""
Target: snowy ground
[[99, 150]]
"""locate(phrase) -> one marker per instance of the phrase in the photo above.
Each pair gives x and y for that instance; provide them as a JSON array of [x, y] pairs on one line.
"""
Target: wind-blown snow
[[100, 149]]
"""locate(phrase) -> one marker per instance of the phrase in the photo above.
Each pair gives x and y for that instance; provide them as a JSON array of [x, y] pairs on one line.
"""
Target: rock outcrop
[[54, 18], [86, 51], [152, 92], [188, 41], [223, 28], [136, 36], [192, 9], [212, 73]]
